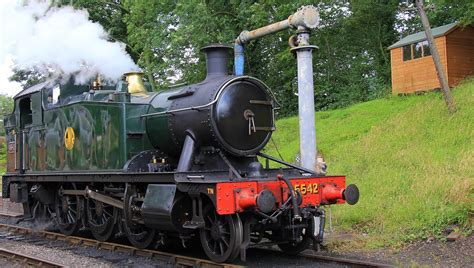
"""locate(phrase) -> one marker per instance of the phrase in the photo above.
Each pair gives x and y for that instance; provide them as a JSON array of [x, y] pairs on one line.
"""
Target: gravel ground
[[6, 263], [265, 258], [429, 253], [64, 253], [63, 257], [459, 253], [74, 256]]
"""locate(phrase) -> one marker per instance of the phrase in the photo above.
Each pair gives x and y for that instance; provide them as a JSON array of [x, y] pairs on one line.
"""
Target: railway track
[[26, 260], [172, 259], [340, 261], [346, 261]]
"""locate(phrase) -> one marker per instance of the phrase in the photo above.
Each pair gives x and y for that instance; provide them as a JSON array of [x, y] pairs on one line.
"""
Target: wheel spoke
[[225, 242], [70, 219], [221, 247], [214, 246], [107, 213]]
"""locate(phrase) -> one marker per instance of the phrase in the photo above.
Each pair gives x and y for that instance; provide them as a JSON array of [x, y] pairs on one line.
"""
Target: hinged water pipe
[[306, 17]]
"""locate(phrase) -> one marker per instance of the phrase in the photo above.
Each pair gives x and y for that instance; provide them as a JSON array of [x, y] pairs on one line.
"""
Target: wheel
[[68, 213], [304, 241], [101, 219], [221, 236], [138, 234]]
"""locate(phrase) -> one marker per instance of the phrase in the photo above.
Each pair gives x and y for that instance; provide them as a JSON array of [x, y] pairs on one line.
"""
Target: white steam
[[59, 42]]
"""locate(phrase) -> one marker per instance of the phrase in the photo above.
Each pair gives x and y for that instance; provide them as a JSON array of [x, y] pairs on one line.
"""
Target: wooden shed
[[412, 64]]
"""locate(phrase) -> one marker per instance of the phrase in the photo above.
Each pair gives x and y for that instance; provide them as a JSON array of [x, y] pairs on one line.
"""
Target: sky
[[7, 87]]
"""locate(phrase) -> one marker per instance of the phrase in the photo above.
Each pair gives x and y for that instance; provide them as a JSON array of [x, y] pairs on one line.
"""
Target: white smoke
[[59, 42]]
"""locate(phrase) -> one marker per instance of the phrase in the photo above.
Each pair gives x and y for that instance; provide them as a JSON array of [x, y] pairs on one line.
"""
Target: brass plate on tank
[[69, 138]]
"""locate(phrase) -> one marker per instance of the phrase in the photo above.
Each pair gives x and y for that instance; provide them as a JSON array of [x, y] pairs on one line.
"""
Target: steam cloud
[[59, 42]]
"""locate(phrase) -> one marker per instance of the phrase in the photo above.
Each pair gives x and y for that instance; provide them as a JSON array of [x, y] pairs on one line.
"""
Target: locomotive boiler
[[158, 167]]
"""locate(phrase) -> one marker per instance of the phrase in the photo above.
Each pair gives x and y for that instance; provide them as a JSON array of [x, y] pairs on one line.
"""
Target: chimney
[[217, 58]]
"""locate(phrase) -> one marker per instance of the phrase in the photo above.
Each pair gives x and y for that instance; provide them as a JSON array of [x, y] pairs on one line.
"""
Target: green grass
[[412, 161]]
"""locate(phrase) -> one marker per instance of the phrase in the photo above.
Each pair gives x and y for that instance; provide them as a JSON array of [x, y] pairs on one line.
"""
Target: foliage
[[6, 107], [27, 78], [453, 10], [440, 12], [411, 161], [351, 65], [347, 70], [3, 157]]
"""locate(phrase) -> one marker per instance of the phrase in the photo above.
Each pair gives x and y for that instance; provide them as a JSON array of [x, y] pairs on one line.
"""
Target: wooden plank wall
[[417, 74], [460, 48]]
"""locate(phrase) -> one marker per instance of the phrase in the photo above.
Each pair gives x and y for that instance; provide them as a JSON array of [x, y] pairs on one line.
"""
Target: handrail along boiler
[[160, 167]]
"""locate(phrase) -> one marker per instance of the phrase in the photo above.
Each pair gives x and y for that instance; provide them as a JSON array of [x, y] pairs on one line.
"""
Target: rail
[[173, 259], [346, 261], [343, 261], [27, 260]]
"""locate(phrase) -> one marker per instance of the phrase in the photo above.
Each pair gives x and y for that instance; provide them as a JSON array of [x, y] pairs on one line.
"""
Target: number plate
[[307, 188]]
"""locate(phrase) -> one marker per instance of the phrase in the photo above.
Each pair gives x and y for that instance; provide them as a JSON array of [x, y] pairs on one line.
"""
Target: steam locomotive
[[175, 165]]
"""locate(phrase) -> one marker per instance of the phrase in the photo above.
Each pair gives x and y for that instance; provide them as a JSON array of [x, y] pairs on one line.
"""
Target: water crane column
[[305, 19], [308, 149]]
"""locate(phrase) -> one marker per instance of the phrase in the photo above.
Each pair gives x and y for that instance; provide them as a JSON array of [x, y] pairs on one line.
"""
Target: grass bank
[[412, 161]]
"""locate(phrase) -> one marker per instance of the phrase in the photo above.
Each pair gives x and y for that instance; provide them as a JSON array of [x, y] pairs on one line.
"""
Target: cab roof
[[36, 88]]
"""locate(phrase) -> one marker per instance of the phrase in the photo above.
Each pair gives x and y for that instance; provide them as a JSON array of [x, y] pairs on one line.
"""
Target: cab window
[[51, 97]]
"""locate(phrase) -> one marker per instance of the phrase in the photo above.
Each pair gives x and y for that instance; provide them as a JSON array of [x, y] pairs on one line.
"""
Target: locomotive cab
[[26, 120]]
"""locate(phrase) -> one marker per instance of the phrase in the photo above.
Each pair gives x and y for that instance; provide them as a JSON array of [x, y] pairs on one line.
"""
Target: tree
[[446, 11], [27, 78], [6, 107], [351, 65], [443, 81]]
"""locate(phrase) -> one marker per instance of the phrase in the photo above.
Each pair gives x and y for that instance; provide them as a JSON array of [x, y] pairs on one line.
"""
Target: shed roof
[[417, 37]]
